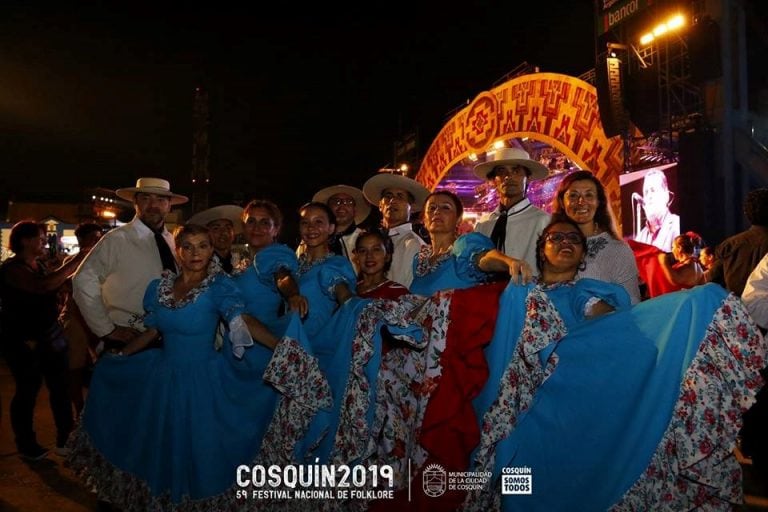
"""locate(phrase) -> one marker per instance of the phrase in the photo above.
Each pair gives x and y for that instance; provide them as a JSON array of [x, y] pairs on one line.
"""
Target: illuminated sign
[[620, 13]]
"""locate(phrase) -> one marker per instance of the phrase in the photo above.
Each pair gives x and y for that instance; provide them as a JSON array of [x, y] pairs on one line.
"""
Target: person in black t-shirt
[[33, 342]]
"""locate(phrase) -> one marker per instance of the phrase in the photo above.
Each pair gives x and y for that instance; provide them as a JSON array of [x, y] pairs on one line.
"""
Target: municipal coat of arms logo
[[434, 480]]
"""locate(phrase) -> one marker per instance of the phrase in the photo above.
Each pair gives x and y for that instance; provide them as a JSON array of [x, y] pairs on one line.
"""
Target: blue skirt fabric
[[636, 410], [166, 429]]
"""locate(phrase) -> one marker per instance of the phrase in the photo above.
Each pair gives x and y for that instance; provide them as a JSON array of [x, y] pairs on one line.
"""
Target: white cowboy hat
[[230, 212], [511, 156], [376, 185], [362, 208], [151, 186]]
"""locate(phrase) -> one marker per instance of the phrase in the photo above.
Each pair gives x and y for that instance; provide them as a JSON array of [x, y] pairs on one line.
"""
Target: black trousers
[[754, 433], [30, 363]]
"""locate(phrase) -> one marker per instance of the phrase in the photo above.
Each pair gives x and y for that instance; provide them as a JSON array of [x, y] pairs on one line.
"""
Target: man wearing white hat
[[351, 209], [109, 286], [224, 222], [515, 224], [397, 197]]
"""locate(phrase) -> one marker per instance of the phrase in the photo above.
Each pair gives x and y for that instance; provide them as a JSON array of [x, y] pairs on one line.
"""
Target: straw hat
[[151, 186], [375, 185], [230, 212], [511, 156], [362, 208]]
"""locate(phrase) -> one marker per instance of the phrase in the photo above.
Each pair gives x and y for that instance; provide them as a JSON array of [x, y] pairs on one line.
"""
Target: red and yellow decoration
[[556, 109]]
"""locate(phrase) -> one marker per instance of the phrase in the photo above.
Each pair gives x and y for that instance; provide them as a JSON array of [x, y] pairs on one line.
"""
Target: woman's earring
[[582, 265]]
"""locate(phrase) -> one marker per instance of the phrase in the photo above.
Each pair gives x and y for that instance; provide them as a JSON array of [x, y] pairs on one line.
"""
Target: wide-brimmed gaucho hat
[[511, 156], [375, 185], [362, 208], [230, 212], [157, 186]]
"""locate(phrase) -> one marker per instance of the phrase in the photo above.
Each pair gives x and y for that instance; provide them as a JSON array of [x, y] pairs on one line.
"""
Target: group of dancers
[[610, 405]]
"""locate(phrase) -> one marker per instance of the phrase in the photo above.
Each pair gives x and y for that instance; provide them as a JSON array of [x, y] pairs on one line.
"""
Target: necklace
[[595, 229], [305, 264], [440, 252], [372, 286]]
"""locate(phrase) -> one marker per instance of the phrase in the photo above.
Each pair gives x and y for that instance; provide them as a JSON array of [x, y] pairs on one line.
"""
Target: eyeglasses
[[571, 237], [341, 202]]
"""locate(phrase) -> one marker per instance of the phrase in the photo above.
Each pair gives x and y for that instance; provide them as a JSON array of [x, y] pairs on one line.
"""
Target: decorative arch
[[559, 110]]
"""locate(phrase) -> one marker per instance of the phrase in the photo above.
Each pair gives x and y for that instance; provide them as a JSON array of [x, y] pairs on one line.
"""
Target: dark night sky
[[299, 99]]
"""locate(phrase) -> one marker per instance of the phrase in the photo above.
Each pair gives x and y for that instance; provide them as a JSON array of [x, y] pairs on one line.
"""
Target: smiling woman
[[581, 199], [225, 391], [456, 262], [560, 251]]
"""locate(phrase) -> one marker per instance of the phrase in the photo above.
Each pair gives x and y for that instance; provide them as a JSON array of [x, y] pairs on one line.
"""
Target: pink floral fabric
[[353, 436], [523, 376], [694, 466], [406, 380], [305, 389], [117, 486], [165, 290], [424, 266]]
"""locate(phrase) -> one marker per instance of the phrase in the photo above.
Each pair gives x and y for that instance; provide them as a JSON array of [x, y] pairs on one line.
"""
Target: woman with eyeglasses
[[581, 198], [646, 400]]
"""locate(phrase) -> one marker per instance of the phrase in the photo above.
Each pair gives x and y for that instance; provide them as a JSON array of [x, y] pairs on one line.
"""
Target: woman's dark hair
[[456, 200], [86, 229], [23, 230], [189, 230], [322, 206], [690, 243], [389, 247], [603, 215], [542, 240], [272, 209]]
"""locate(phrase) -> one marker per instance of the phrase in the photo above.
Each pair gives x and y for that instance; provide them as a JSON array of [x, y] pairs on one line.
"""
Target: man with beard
[[110, 283], [397, 197], [515, 224], [224, 223]]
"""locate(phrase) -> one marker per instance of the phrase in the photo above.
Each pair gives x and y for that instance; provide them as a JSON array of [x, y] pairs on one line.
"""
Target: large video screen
[[649, 213]]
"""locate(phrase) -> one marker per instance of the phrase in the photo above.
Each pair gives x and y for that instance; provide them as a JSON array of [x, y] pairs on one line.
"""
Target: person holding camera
[[33, 342]]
